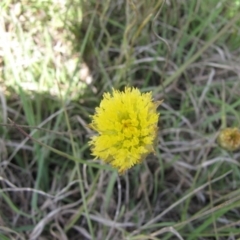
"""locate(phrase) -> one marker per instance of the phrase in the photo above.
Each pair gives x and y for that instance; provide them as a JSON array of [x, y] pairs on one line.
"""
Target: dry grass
[[57, 58]]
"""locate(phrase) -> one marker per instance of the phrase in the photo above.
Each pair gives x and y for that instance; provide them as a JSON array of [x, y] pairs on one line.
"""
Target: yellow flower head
[[229, 138], [127, 126]]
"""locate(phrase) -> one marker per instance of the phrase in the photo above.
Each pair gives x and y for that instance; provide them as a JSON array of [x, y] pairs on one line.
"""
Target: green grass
[[58, 58]]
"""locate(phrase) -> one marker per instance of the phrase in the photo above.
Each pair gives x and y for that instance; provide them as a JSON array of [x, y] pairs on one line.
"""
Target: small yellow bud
[[229, 139]]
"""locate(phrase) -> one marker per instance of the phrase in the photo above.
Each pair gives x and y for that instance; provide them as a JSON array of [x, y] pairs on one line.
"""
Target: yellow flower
[[126, 123], [229, 138]]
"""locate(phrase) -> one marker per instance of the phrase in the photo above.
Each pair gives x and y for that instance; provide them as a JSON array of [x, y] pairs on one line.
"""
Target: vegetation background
[[57, 58]]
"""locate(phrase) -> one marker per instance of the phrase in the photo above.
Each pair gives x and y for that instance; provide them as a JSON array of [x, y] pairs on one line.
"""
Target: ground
[[57, 58]]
